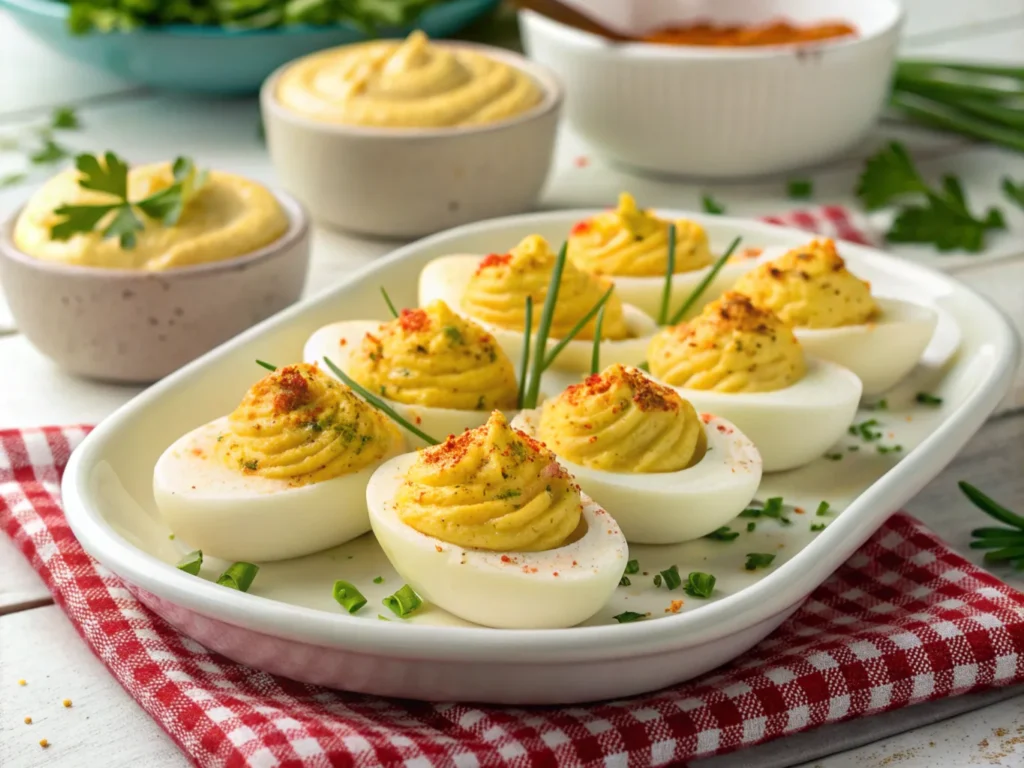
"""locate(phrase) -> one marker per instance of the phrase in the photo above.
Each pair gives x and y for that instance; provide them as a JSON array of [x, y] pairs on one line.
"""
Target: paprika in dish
[[779, 32]]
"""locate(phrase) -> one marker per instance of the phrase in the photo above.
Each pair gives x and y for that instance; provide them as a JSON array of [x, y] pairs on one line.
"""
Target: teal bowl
[[214, 60]]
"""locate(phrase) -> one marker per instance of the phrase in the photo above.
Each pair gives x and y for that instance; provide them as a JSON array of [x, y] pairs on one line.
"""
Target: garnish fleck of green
[[773, 507], [822, 509], [657, 579], [403, 602], [834, 456], [239, 576], [725, 533], [751, 512], [508, 493], [50, 152], [757, 560], [170, 536], [192, 562], [347, 596], [890, 448], [926, 399], [378, 580], [711, 205], [815, 527], [379, 404], [64, 119], [387, 300], [670, 268], [800, 189], [751, 526], [703, 284], [453, 334], [671, 577], [1004, 544], [632, 566], [624, 581], [881, 405], [252, 465], [11, 179], [629, 616], [1015, 192], [264, 364], [867, 430], [853, 448], [699, 585]]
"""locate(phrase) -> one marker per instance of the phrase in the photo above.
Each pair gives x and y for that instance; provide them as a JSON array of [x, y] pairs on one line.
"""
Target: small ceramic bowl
[[137, 326], [410, 182]]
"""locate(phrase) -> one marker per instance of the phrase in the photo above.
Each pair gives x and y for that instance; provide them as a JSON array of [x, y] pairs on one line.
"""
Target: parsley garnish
[[378, 580], [711, 205], [671, 577], [1003, 544], [453, 334], [751, 526], [624, 581], [50, 152], [633, 566], [252, 465], [1015, 192], [822, 509], [815, 527], [757, 560], [65, 119], [773, 507], [699, 585], [800, 189], [925, 399], [725, 533], [628, 616], [111, 177], [508, 493]]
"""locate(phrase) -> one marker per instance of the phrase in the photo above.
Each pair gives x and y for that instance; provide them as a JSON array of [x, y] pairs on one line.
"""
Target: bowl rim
[[59, 10], [577, 38], [546, 79], [298, 230]]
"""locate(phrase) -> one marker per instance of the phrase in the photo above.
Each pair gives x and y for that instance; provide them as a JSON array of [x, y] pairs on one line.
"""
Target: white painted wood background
[[105, 728]]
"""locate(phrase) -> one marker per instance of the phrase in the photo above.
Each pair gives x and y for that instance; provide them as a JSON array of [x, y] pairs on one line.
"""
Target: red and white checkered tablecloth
[[905, 620]]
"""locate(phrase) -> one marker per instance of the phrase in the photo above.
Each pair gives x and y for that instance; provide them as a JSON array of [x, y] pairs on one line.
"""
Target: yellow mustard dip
[[491, 488], [299, 424], [621, 421], [229, 216], [810, 287], [732, 346], [433, 357], [406, 84], [629, 242], [497, 291]]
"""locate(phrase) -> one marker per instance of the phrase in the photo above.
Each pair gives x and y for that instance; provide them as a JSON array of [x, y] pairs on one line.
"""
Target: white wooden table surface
[[104, 727]]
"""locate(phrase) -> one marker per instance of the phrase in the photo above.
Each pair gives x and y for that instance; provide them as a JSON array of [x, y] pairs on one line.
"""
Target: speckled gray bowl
[[135, 326]]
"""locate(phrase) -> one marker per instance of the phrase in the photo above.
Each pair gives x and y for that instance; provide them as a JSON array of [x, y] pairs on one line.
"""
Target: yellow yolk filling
[[732, 346], [497, 292], [491, 488], [810, 287], [299, 424], [621, 421], [434, 358], [630, 242]]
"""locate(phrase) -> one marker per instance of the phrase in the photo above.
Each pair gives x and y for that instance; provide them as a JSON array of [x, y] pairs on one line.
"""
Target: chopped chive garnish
[[853, 448], [672, 577], [403, 602], [657, 579], [347, 596], [751, 512], [699, 584], [383, 618], [266, 365], [751, 526], [574, 331], [595, 352], [666, 291], [990, 506], [378, 580], [881, 405], [773, 507], [624, 581], [525, 360], [711, 206], [633, 566], [822, 509], [239, 576], [379, 404], [815, 527], [889, 448], [170, 536], [866, 430], [703, 284], [834, 456], [387, 300], [192, 562], [627, 616], [800, 189], [926, 399], [725, 533], [547, 317], [757, 560]]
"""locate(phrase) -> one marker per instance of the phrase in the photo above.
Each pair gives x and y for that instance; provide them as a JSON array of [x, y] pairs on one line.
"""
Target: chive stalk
[[595, 352], [192, 562], [239, 576], [347, 596], [703, 284], [574, 331], [403, 602], [547, 317], [524, 362], [670, 269], [387, 300], [264, 364]]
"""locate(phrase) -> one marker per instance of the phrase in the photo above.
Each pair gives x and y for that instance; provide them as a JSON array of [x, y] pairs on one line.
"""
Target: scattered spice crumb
[[674, 606], [66, 702], [582, 161], [28, 721], [44, 743], [22, 682]]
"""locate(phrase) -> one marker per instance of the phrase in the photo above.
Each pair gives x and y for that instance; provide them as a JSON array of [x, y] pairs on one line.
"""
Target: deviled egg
[[744, 363], [630, 246], [283, 475], [835, 316], [492, 291], [438, 370], [490, 527], [665, 473]]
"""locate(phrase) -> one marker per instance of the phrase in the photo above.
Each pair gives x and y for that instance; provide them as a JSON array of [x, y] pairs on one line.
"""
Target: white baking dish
[[722, 112], [288, 624]]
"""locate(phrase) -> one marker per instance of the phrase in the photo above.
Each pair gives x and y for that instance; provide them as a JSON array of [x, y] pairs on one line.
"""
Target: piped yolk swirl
[[810, 287], [497, 291], [491, 488], [406, 84], [622, 421], [629, 242], [435, 358], [732, 346], [298, 424]]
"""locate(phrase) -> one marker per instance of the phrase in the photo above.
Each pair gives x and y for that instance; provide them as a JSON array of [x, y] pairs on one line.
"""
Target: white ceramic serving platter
[[288, 623]]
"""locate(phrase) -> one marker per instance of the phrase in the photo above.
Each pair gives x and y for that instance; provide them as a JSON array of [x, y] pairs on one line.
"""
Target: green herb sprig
[[696, 293], [387, 300], [699, 585], [757, 560], [712, 206], [1004, 545], [404, 602], [595, 352], [628, 617], [670, 270]]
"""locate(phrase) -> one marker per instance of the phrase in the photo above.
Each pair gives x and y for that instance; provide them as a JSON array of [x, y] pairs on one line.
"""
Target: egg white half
[[436, 422], [792, 426], [880, 352], [671, 507], [236, 516], [446, 278], [514, 590]]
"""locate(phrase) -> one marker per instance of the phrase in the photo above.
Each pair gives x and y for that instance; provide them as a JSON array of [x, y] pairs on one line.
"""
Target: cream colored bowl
[[409, 182], [137, 326]]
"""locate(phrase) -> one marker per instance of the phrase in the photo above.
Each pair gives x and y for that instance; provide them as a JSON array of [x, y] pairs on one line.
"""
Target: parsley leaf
[[888, 175], [11, 179], [711, 205], [627, 617], [800, 189], [50, 152], [699, 585], [725, 533], [757, 560], [64, 118], [1015, 192], [110, 176]]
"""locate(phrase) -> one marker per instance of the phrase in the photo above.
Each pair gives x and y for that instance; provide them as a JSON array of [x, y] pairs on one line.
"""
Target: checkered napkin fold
[[905, 620]]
